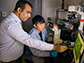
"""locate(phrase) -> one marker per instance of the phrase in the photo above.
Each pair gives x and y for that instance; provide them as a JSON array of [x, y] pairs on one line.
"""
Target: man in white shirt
[[13, 37]]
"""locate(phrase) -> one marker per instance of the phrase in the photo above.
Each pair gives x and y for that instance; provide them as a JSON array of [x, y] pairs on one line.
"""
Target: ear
[[19, 10], [34, 25]]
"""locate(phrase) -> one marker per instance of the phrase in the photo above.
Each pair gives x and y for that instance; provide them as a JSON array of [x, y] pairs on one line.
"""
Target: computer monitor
[[78, 48]]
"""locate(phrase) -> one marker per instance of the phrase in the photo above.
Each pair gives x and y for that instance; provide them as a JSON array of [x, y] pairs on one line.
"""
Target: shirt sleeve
[[39, 53], [15, 31]]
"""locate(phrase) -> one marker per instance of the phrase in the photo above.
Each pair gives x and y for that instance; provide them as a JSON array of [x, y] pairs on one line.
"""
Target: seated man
[[39, 32]]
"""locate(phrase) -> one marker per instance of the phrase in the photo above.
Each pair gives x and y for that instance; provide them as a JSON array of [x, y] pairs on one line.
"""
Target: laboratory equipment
[[56, 30], [78, 48], [80, 10]]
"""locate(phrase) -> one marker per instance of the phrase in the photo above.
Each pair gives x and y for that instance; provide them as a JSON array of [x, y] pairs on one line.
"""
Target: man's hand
[[59, 48]]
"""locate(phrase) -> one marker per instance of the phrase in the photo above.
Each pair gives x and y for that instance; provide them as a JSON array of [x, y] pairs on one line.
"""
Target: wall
[[49, 8], [7, 6]]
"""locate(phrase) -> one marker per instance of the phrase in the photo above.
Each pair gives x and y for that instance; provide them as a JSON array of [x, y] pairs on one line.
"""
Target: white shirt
[[12, 38]]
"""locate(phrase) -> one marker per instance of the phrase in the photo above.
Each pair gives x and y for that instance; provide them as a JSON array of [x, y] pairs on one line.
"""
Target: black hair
[[38, 19], [21, 4]]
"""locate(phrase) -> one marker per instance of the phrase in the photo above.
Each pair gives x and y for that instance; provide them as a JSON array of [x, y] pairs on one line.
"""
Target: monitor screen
[[78, 48]]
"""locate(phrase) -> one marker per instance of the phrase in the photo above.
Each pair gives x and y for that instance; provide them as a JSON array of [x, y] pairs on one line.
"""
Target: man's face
[[26, 13], [39, 27]]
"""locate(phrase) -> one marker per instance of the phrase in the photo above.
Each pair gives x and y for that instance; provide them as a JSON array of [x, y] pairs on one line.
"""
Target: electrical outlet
[[4, 14]]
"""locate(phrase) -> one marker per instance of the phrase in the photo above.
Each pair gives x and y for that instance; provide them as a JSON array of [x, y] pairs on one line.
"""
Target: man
[[39, 32], [13, 37]]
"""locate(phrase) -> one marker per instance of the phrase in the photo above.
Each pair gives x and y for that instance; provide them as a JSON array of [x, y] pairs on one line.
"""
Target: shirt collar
[[35, 31], [15, 17]]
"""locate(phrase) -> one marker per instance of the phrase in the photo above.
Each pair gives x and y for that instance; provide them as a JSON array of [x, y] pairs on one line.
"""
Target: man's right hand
[[59, 48]]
